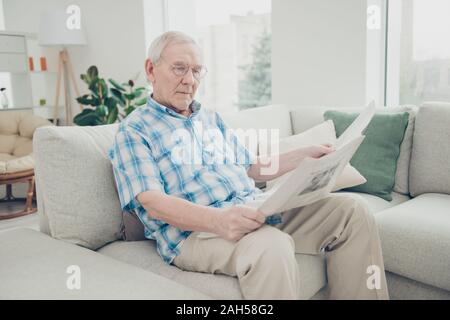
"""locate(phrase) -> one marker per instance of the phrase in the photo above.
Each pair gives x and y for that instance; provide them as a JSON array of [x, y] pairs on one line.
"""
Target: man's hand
[[316, 151], [235, 222], [285, 162]]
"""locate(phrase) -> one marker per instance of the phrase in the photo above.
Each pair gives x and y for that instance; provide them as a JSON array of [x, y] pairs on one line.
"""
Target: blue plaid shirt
[[193, 158]]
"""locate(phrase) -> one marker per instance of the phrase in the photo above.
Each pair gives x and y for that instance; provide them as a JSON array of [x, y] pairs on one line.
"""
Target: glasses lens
[[200, 72], [180, 70]]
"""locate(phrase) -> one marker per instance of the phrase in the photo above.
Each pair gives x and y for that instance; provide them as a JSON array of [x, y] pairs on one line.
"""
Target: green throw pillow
[[376, 158]]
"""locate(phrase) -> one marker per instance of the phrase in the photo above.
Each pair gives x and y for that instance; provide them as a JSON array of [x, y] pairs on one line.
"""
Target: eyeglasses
[[180, 70]]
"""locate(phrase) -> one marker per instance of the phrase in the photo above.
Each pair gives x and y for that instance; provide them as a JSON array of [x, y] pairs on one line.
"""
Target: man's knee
[[357, 209], [266, 267], [353, 203], [269, 243]]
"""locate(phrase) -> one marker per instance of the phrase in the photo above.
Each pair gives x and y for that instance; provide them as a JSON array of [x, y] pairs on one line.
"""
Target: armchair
[[16, 156]]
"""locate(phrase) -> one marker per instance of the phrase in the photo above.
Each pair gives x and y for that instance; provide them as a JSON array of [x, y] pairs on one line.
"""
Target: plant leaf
[[85, 78], [87, 118], [92, 72], [112, 116], [129, 96], [116, 85], [110, 102], [86, 100], [140, 102], [119, 96], [129, 110], [138, 92], [101, 110], [93, 86], [104, 88]]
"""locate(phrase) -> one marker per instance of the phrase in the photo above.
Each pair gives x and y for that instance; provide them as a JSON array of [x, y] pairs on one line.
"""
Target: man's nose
[[188, 78]]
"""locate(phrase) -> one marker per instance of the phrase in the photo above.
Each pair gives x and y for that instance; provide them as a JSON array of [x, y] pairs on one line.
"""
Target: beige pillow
[[320, 134]]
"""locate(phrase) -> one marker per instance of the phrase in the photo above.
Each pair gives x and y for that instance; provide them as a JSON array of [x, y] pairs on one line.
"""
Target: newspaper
[[313, 179]]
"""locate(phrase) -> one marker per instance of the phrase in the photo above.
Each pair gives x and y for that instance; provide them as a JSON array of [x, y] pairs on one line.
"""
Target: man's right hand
[[235, 222]]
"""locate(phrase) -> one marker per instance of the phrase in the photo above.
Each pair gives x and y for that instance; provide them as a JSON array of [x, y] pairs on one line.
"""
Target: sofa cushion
[[35, 266], [376, 158], [17, 164], [76, 183], [401, 288], [144, 255], [430, 165], [404, 159], [415, 238], [306, 117], [377, 204]]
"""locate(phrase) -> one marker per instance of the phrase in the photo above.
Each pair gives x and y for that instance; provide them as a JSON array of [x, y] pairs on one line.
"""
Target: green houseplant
[[106, 105]]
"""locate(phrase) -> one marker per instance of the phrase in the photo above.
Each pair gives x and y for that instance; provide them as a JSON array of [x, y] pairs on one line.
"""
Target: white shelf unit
[[14, 74], [26, 88]]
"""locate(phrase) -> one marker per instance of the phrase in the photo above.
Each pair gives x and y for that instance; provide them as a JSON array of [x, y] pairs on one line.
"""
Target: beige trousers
[[264, 260]]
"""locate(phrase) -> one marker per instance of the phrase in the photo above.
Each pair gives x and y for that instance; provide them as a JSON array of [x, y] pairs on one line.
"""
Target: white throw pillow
[[320, 134]]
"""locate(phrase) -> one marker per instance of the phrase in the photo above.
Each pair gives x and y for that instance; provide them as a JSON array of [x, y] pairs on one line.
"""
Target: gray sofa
[[81, 222]]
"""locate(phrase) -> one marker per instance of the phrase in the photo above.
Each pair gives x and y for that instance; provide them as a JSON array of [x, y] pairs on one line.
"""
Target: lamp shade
[[54, 31]]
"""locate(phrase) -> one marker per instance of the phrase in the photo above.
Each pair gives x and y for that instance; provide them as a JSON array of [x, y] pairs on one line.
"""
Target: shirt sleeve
[[134, 167], [242, 155]]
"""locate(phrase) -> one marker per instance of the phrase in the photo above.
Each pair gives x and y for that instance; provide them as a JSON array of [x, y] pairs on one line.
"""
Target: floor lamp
[[55, 32]]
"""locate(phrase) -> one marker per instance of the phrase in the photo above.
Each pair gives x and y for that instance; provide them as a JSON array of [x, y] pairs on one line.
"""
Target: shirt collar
[[195, 107]]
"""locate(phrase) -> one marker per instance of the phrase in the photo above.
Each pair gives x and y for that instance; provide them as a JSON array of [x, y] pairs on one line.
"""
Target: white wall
[[155, 19], [181, 16], [319, 52], [115, 32]]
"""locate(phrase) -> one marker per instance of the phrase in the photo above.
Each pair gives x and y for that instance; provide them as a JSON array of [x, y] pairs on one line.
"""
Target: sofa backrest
[[266, 118], [76, 191], [430, 164]]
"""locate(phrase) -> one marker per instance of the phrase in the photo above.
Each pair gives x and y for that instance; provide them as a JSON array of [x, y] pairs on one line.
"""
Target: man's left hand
[[316, 151]]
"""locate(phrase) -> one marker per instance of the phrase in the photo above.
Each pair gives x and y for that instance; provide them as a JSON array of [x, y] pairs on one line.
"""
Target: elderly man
[[177, 199]]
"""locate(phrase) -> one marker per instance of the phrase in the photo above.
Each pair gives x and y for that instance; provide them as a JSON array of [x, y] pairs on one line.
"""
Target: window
[[424, 51], [448, 77], [235, 39]]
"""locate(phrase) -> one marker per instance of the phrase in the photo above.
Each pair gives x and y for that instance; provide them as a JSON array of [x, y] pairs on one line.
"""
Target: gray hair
[[160, 43]]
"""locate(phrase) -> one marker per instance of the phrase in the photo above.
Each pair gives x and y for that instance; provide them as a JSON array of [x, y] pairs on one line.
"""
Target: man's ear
[[149, 70]]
